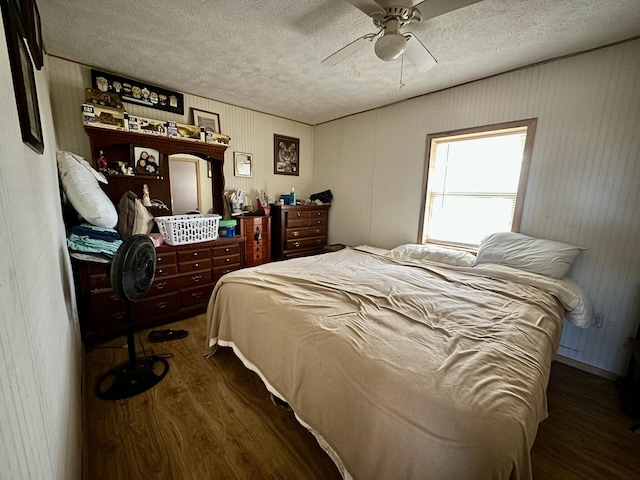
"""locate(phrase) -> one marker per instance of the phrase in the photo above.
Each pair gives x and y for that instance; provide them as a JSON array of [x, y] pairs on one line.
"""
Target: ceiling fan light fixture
[[390, 46]]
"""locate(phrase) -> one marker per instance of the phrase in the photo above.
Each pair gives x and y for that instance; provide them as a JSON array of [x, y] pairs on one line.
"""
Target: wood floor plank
[[213, 418]]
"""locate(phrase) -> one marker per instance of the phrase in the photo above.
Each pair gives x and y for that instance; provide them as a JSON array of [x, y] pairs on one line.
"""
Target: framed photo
[[208, 120], [33, 30], [286, 155], [242, 164], [146, 161], [24, 83]]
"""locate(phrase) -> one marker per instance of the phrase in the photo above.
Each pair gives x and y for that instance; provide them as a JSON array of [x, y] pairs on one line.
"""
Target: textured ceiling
[[265, 55]]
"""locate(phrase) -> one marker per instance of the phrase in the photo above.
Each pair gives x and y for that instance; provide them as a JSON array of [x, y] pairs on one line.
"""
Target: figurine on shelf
[[101, 162], [146, 198]]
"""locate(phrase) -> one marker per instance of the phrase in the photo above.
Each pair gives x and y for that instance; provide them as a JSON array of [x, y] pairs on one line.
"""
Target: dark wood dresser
[[257, 231], [298, 230], [184, 279]]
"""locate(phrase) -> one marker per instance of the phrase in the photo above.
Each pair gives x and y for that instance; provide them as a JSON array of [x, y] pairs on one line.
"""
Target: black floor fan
[[132, 271]]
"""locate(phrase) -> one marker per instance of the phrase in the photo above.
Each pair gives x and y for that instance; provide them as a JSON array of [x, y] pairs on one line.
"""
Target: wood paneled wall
[[583, 188], [40, 350]]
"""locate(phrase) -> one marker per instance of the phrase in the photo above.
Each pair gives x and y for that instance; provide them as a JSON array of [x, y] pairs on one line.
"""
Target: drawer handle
[[196, 265], [227, 250], [114, 296], [296, 233], [297, 244], [160, 271], [226, 271], [227, 259], [196, 278], [317, 230], [298, 214], [318, 213], [318, 241], [118, 315], [161, 285], [195, 254], [159, 259], [162, 305], [196, 295]]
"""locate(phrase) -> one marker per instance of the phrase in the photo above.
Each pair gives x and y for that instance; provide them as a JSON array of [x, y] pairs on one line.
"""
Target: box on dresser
[[257, 231], [184, 279], [298, 230]]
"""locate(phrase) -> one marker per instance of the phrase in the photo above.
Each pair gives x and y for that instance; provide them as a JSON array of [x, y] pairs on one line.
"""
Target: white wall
[[583, 188], [250, 132], [40, 399]]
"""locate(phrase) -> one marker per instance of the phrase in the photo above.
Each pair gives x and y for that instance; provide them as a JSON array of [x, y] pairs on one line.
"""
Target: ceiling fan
[[389, 41]]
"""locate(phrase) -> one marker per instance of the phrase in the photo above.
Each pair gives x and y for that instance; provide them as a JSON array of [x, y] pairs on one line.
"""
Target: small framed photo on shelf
[[208, 120], [242, 164], [286, 155], [146, 161]]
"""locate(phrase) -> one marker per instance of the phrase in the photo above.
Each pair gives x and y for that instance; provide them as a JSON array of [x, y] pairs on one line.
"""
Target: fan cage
[[185, 229]]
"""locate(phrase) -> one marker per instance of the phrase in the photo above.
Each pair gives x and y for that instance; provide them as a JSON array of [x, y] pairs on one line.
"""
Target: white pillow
[[80, 184], [449, 256], [535, 255]]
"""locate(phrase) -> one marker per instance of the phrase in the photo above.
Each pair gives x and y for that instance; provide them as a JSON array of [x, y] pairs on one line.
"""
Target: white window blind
[[472, 187]]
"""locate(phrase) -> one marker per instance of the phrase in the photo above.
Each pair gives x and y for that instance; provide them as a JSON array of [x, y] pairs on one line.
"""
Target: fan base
[[127, 381]]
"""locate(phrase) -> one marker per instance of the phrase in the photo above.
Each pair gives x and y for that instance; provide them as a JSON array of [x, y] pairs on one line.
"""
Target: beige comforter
[[401, 370]]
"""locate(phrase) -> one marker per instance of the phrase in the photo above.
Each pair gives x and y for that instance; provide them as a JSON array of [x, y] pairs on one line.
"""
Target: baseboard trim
[[585, 368]]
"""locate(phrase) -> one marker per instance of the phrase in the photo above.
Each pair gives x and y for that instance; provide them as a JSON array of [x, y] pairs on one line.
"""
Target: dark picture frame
[[33, 32], [146, 161], [24, 83], [210, 121], [286, 155]]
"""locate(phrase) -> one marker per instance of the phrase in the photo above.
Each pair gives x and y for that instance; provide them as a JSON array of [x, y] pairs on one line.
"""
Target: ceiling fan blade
[[369, 7], [432, 8], [418, 55], [350, 49]]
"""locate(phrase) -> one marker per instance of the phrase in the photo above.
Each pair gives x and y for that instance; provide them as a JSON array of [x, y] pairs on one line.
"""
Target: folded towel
[[94, 231], [91, 245]]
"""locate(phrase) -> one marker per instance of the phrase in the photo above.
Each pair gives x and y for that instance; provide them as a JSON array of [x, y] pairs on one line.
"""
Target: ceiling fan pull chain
[[401, 84]]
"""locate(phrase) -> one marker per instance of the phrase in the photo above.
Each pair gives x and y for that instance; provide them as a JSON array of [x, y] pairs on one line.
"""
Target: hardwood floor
[[213, 419]]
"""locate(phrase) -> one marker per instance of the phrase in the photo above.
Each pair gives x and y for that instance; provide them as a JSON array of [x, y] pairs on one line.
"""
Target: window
[[474, 182]]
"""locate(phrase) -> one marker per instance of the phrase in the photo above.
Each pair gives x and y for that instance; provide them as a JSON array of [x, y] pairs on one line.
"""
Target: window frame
[[529, 123]]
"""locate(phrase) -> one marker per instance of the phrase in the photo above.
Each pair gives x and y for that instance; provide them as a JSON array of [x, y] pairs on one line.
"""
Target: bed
[[402, 367]]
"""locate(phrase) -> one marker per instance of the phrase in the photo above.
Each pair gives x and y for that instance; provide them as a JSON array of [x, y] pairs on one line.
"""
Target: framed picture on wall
[[146, 161], [242, 164], [33, 30], [286, 155], [208, 120], [24, 83]]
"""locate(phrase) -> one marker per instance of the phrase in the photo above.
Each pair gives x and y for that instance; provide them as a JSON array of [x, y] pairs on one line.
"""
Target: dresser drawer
[[150, 307], [194, 279], [226, 260], [110, 319], [186, 267], [195, 296], [225, 250], [163, 259], [98, 274], [314, 242], [166, 270], [297, 219], [305, 232], [220, 271], [193, 255], [105, 298]]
